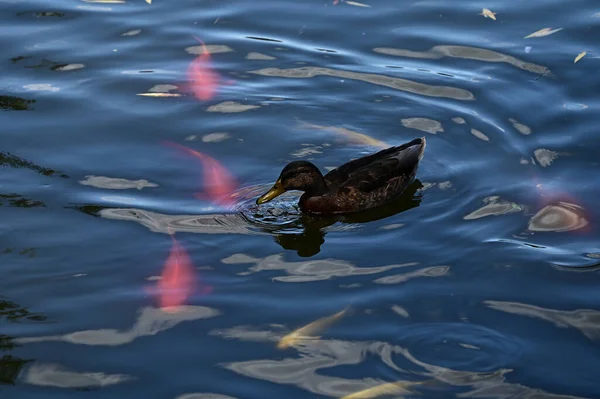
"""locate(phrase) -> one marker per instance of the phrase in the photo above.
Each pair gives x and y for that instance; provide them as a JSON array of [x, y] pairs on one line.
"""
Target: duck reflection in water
[[308, 242]]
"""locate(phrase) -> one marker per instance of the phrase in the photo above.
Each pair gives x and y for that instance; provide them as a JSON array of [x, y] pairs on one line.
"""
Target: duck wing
[[375, 171]]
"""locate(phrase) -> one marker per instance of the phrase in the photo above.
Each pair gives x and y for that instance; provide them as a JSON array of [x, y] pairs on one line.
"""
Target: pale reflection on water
[[585, 320], [150, 321], [113, 183], [494, 206], [204, 396], [232, 223], [465, 52], [381, 80], [559, 217], [54, 375], [307, 370], [325, 269]]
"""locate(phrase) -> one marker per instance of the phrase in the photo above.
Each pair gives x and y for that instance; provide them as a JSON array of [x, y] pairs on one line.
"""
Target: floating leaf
[[543, 32], [159, 94], [488, 13], [580, 56], [357, 4]]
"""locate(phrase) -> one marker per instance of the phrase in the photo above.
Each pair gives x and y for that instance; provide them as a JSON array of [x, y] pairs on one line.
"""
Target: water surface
[[481, 280]]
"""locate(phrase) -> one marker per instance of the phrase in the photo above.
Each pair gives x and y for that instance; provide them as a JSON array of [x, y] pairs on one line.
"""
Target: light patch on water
[[116, 183], [381, 80], [494, 207], [69, 67], [132, 32], [434, 271], [392, 226], [210, 48], [465, 52], [445, 185], [423, 124], [215, 137], [54, 375], [587, 321], [469, 346], [459, 120], [545, 157], [154, 71], [41, 87], [400, 311], [310, 270], [204, 396], [231, 107], [222, 223], [95, 8], [306, 151], [163, 88], [523, 129], [559, 217], [479, 135], [150, 321], [119, 200], [259, 56], [574, 106]]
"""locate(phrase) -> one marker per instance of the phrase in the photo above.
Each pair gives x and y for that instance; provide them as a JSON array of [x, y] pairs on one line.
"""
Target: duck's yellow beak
[[274, 192]]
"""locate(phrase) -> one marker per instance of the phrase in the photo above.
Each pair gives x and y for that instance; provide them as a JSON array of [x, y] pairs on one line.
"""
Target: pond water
[[481, 281]]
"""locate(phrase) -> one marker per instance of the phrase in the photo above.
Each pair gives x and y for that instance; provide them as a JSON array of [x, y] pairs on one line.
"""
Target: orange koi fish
[[177, 279], [219, 183], [203, 80]]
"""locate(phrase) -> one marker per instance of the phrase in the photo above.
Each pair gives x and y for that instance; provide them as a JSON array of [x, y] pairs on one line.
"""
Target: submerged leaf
[[488, 13], [543, 32], [580, 56]]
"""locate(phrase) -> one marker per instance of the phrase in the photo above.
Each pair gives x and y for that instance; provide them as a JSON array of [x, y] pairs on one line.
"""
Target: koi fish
[[309, 330], [349, 135], [390, 388], [219, 183], [177, 279], [203, 80]]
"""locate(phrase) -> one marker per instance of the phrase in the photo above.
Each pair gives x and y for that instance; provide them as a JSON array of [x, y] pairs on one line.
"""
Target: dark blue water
[[481, 281]]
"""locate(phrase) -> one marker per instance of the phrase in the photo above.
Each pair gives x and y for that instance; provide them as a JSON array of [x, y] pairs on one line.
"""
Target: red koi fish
[[219, 183], [177, 279], [203, 80]]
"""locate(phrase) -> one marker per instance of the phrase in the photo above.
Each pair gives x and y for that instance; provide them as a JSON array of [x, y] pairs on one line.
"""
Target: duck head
[[297, 175]]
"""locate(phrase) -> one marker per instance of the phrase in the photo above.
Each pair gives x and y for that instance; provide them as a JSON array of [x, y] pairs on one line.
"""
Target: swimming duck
[[357, 185]]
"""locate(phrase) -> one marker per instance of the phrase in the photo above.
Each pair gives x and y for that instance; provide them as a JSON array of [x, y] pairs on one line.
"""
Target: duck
[[358, 185]]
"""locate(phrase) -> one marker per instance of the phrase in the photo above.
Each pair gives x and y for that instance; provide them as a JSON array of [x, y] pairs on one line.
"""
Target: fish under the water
[[309, 330]]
